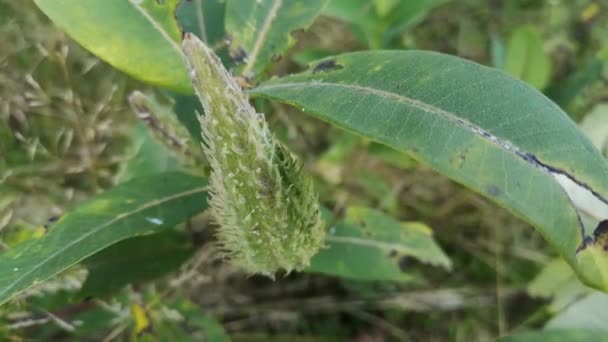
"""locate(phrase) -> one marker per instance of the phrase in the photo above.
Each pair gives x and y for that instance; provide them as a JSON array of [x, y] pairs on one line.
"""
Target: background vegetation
[[67, 133]]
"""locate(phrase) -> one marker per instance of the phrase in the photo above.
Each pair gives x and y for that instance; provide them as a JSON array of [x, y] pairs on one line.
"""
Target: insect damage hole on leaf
[[599, 238], [327, 66]]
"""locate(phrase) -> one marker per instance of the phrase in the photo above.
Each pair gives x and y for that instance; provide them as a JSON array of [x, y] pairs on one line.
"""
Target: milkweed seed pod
[[264, 204]]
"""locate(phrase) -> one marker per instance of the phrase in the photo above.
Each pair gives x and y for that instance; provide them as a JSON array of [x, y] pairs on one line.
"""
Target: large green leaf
[[477, 125], [260, 30], [587, 313], [136, 259], [139, 37], [205, 18], [370, 245], [141, 206], [558, 335]]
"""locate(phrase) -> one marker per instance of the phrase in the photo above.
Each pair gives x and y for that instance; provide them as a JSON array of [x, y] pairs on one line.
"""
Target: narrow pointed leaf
[[142, 206], [477, 125], [139, 37]]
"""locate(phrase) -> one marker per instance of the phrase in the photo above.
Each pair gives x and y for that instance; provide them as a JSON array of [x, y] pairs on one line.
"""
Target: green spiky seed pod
[[262, 200], [166, 128]]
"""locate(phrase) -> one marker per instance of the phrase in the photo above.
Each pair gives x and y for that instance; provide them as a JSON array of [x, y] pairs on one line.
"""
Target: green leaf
[[372, 246], [142, 206], [139, 37], [474, 124], [557, 281], [375, 25], [384, 7], [205, 18], [526, 58], [595, 125], [588, 313], [347, 10], [135, 260], [603, 54], [260, 30], [188, 108], [148, 156], [195, 319], [304, 57], [558, 335], [497, 52]]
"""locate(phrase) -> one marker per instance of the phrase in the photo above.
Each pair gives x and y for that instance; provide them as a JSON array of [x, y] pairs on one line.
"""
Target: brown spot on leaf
[[327, 66], [392, 253]]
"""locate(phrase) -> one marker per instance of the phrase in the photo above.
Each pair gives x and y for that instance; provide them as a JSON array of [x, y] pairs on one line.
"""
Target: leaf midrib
[[157, 27], [95, 230], [429, 108], [262, 36], [502, 143], [386, 246]]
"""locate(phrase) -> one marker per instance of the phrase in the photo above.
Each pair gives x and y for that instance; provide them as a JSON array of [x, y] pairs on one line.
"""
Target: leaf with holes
[[370, 245], [142, 206], [477, 125], [260, 30], [139, 37]]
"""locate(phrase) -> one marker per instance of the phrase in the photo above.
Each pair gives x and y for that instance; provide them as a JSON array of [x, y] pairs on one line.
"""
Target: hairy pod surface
[[265, 205]]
